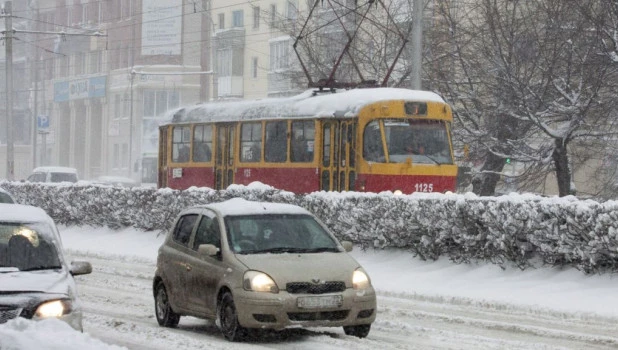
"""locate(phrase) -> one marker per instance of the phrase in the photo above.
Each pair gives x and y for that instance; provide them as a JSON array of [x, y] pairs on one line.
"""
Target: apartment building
[[252, 50], [106, 72]]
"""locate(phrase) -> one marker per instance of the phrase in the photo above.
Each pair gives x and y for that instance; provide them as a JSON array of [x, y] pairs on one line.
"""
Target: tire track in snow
[[119, 309]]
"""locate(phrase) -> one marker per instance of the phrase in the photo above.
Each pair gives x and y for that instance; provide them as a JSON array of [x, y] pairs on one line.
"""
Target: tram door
[[338, 156], [224, 156], [162, 179]]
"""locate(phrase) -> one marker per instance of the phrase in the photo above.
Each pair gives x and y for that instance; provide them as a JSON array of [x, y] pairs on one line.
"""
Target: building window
[[118, 11], [273, 15], [279, 55], [99, 15], [126, 8], [85, 9], [224, 62], [126, 105], [116, 160], [256, 17], [292, 10], [125, 156], [117, 107], [221, 21], [95, 62], [254, 67], [157, 102], [80, 63], [251, 142], [237, 19], [63, 65]]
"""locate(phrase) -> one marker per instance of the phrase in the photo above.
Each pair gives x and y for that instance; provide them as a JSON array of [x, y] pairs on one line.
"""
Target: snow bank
[[50, 334], [515, 229]]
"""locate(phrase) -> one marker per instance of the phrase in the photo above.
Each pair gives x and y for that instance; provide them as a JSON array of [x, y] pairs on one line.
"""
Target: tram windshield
[[407, 140]]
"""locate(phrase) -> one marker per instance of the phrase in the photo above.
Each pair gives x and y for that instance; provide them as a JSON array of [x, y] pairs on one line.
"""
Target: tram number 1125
[[423, 187]]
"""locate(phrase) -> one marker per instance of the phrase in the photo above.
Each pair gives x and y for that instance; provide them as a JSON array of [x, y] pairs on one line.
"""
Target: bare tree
[[527, 82]]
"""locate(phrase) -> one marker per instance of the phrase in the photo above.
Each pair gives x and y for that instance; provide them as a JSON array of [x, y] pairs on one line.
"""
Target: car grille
[[8, 313], [315, 288], [318, 316]]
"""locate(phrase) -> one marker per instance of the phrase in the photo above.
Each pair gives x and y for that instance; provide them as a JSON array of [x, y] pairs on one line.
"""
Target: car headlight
[[55, 308], [259, 282], [360, 280]]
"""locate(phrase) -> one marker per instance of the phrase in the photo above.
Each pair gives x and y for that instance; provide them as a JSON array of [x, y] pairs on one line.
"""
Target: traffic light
[[508, 161]]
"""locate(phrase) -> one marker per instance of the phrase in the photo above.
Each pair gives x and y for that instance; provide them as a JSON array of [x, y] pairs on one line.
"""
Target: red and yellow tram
[[372, 140]]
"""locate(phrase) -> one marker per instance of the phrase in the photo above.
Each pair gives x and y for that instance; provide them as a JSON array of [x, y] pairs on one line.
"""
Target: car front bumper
[[281, 310]]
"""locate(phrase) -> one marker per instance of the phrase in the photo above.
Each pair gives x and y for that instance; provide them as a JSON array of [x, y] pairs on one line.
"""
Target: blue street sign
[[42, 122]]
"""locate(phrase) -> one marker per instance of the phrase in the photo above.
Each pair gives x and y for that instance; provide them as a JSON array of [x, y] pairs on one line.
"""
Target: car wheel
[[360, 331], [228, 319], [165, 315]]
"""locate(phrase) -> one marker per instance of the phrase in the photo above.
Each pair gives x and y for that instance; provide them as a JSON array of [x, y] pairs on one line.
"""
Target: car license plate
[[319, 302]]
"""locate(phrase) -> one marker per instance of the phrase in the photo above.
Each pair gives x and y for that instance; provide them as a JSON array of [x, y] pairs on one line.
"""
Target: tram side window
[[372, 143], [202, 143], [303, 141], [326, 145], [276, 142], [181, 144], [251, 142]]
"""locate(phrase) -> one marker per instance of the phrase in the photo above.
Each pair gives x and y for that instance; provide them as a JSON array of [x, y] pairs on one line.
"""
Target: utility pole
[[417, 44], [8, 31], [132, 77], [35, 116], [206, 51]]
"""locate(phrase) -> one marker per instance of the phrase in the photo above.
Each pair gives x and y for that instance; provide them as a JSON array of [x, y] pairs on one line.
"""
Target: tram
[[369, 140]]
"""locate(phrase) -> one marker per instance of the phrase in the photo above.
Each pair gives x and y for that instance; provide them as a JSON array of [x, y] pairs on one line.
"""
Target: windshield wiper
[[432, 159], [38, 268], [277, 250], [322, 249]]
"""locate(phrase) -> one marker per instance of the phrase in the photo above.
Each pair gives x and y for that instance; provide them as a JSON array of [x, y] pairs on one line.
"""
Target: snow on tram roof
[[345, 103]]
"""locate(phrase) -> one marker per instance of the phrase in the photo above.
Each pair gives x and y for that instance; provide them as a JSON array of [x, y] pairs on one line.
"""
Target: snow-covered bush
[[514, 229]]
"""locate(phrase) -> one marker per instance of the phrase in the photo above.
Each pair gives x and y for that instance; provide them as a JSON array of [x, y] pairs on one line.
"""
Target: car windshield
[[278, 233], [27, 247], [63, 177]]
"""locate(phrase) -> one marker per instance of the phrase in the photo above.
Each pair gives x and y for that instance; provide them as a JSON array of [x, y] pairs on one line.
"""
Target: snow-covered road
[[118, 304]]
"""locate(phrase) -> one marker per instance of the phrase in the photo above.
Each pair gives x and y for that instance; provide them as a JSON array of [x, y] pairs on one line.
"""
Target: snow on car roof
[[344, 103], [22, 213], [240, 206], [54, 169]]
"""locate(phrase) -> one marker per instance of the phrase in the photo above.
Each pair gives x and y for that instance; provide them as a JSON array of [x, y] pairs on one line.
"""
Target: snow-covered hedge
[[510, 229]]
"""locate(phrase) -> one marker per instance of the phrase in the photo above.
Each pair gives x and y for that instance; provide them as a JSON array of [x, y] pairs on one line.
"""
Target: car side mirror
[[80, 268], [347, 245], [207, 250]]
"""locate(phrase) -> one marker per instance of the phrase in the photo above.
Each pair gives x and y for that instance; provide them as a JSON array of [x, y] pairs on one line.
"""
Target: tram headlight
[[397, 193]]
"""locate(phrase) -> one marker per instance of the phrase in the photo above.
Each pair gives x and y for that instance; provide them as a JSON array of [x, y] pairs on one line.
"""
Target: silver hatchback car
[[36, 280], [253, 265]]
